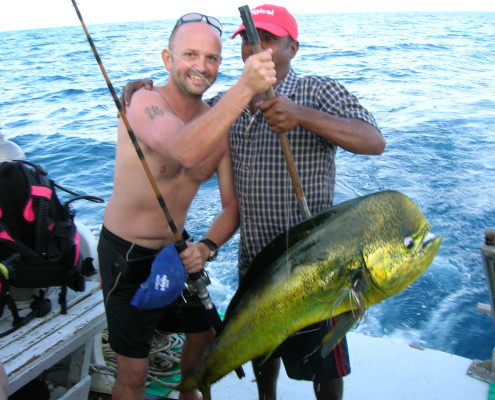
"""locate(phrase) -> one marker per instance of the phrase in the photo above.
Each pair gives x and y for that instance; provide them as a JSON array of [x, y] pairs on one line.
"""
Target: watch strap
[[213, 248]]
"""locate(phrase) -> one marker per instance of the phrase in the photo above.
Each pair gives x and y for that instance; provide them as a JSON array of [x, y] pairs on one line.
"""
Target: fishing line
[[191, 68], [288, 193], [254, 41], [286, 189], [210, 84], [243, 111]]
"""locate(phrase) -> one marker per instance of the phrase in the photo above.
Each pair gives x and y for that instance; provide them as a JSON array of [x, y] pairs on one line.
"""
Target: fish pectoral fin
[[344, 324], [268, 355]]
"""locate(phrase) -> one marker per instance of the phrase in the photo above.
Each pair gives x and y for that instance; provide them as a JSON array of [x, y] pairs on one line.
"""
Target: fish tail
[[206, 392], [192, 382], [189, 382]]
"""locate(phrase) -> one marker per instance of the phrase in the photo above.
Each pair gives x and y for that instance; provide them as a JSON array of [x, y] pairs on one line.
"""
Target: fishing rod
[[197, 278], [137, 147], [254, 41]]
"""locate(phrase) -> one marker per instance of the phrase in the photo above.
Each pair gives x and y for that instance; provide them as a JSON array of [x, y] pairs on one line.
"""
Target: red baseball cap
[[274, 19]]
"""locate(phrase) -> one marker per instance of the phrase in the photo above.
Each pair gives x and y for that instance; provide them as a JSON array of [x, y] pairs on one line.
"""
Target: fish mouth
[[429, 239], [391, 280]]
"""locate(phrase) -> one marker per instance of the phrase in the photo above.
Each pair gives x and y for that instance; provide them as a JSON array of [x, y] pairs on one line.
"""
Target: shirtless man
[[184, 142]]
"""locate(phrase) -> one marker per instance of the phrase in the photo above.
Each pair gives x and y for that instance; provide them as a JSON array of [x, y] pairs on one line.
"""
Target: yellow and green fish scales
[[374, 246]]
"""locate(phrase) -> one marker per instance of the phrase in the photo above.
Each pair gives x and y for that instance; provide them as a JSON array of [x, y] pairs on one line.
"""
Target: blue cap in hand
[[165, 283]]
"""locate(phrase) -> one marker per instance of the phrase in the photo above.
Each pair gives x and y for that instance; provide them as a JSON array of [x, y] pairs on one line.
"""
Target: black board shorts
[[301, 355], [123, 267]]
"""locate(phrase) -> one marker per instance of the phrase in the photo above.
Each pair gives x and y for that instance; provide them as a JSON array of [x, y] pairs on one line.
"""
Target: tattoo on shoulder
[[153, 112]]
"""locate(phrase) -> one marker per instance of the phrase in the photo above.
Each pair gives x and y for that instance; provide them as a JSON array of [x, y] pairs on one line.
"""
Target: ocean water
[[428, 78]]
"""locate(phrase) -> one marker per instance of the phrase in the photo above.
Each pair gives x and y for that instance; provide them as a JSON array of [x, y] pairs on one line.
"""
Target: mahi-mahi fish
[[335, 264]]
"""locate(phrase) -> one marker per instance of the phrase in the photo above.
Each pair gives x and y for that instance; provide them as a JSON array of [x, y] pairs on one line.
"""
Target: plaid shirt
[[267, 202]]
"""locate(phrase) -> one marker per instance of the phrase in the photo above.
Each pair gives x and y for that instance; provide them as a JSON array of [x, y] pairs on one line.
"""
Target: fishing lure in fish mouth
[[356, 293]]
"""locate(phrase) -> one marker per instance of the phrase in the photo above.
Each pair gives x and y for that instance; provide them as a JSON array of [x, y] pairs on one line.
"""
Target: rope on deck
[[164, 358]]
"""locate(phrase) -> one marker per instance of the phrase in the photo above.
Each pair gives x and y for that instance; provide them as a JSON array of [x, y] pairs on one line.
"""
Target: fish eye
[[408, 242]]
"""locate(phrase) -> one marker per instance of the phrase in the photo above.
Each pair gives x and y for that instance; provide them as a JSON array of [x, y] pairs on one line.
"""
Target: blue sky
[[27, 14]]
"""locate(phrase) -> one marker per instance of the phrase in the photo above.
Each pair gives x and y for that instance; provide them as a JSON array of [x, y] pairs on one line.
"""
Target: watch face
[[213, 249], [213, 254]]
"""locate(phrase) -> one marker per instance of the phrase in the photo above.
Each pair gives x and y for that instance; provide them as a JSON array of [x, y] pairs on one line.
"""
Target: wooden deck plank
[[43, 342], [72, 299], [55, 329]]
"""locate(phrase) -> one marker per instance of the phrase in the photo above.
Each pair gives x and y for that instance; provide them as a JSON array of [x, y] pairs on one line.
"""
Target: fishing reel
[[196, 284]]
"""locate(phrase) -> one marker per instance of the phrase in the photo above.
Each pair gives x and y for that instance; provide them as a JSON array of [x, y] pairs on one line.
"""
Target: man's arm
[[191, 143], [225, 223], [351, 134]]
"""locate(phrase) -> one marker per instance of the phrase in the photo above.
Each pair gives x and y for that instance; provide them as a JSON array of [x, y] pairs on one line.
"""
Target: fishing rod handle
[[180, 245], [254, 41], [253, 38]]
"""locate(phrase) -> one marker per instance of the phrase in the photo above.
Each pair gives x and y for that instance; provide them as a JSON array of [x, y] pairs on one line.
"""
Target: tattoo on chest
[[153, 112]]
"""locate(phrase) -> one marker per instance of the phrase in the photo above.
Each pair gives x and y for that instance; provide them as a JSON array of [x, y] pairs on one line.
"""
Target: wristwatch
[[213, 248]]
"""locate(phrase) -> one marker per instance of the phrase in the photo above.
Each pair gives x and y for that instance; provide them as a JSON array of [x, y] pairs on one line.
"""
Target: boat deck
[[382, 369], [65, 340]]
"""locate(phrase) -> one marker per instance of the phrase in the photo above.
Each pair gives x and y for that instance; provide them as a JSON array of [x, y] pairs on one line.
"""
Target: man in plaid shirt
[[318, 114]]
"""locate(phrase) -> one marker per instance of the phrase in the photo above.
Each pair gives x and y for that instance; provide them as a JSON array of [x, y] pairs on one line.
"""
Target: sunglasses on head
[[196, 17]]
